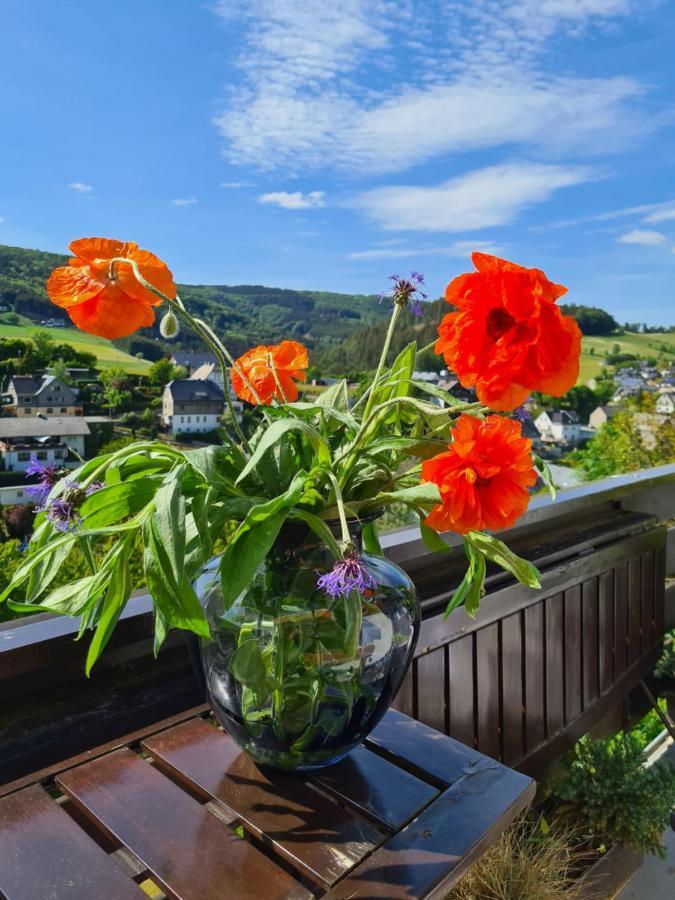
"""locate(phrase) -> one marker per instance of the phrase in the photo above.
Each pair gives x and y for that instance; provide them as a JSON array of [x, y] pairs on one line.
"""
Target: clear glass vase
[[299, 678]]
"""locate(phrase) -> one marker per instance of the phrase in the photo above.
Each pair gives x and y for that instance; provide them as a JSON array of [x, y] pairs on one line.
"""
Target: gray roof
[[26, 384], [33, 426], [192, 360], [188, 390], [564, 417], [609, 411]]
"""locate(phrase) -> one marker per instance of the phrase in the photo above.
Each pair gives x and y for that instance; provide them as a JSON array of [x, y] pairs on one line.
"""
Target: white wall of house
[[15, 496], [193, 423], [557, 431], [666, 404], [15, 460]]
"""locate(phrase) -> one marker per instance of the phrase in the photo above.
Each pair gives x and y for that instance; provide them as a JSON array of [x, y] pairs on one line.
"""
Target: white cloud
[[232, 185], [457, 249], [663, 212], [80, 187], [478, 199], [294, 199], [645, 238], [185, 201], [321, 83]]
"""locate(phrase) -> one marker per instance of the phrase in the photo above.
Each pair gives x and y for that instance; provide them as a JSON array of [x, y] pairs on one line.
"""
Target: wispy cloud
[[293, 199], [309, 96], [664, 212], [234, 185], [457, 249], [185, 201], [81, 187], [657, 212], [479, 199], [643, 237]]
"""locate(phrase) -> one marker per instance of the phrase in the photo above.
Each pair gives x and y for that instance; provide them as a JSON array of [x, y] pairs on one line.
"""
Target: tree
[[163, 371], [43, 343], [18, 521], [622, 446], [59, 370], [115, 389]]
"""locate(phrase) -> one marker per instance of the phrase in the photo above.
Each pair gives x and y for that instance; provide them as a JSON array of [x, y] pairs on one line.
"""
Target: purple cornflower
[[48, 476], [406, 292], [63, 511], [347, 575], [521, 413]]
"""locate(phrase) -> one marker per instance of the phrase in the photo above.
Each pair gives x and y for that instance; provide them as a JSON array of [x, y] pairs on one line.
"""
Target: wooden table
[[180, 810]]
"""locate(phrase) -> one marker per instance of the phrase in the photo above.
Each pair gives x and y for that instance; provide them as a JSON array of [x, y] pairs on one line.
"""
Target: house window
[[22, 456], [42, 454], [63, 409], [28, 410], [58, 454], [50, 409], [189, 418]]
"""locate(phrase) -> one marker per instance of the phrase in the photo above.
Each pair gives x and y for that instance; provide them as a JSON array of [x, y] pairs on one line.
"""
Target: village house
[[665, 403], [559, 426], [601, 415], [47, 439], [192, 407], [211, 371], [46, 395], [191, 360]]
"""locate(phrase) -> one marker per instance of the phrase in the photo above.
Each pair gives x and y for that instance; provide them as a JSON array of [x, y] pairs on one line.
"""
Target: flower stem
[[383, 358], [339, 502]]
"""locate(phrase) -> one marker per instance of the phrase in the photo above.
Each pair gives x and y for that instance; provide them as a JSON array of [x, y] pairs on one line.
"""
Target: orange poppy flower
[[290, 361], [482, 477], [105, 298], [508, 337]]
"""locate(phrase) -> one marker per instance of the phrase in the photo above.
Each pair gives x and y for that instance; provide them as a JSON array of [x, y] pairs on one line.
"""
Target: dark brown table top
[[180, 810]]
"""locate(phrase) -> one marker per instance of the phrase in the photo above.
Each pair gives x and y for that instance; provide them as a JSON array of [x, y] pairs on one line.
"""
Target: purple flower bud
[[406, 292], [347, 575], [63, 515], [521, 413], [48, 476]]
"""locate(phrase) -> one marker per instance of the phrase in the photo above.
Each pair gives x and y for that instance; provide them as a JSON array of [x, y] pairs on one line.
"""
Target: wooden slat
[[634, 609], [620, 620], [404, 698], [461, 690], [487, 687], [316, 835], [573, 659], [377, 788], [419, 748], [535, 676], [590, 640], [431, 689], [512, 688], [44, 854], [659, 590], [554, 613], [427, 857], [606, 631], [189, 852], [648, 622]]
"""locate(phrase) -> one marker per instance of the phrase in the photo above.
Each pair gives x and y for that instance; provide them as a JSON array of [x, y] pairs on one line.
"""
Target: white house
[[665, 403], [48, 439], [192, 407], [559, 426]]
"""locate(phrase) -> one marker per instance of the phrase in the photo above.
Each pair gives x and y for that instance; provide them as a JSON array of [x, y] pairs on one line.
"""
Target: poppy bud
[[169, 326]]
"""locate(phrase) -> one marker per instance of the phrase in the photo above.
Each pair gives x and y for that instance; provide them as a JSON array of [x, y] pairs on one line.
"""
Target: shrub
[[615, 796], [665, 666], [525, 864]]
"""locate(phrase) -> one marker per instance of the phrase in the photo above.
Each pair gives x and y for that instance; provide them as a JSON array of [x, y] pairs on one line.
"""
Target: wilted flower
[[63, 511], [48, 476], [406, 292], [347, 575]]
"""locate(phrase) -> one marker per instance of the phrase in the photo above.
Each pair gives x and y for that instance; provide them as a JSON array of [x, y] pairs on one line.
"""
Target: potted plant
[[266, 547]]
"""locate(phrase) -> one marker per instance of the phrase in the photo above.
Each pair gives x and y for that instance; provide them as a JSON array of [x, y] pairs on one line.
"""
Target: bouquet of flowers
[[323, 464]]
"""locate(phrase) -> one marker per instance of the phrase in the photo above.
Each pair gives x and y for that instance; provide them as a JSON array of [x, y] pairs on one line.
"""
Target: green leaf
[[432, 539], [36, 558], [319, 527], [546, 475], [176, 600], [371, 540], [424, 494], [497, 551], [247, 664], [397, 383], [274, 434], [117, 595], [112, 504], [335, 396], [243, 555], [437, 392], [48, 567], [168, 521], [470, 588], [69, 600]]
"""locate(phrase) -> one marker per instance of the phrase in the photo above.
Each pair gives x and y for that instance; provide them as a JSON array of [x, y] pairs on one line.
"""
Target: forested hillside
[[242, 314]]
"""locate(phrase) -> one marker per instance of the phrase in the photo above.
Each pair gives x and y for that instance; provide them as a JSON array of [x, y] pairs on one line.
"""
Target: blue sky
[[307, 144]]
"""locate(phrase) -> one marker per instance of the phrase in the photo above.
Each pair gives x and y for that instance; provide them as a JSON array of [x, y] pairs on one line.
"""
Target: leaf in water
[[247, 664]]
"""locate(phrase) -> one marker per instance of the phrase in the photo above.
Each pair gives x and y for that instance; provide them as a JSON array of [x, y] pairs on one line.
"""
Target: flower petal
[[112, 314]]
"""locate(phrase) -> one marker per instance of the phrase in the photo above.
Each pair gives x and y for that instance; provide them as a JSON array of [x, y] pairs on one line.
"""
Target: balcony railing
[[531, 673]]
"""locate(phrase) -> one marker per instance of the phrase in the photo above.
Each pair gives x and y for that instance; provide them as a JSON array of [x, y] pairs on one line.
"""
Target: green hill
[[242, 314]]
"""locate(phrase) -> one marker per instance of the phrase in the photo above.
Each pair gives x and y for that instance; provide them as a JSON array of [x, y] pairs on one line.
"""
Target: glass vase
[[296, 677]]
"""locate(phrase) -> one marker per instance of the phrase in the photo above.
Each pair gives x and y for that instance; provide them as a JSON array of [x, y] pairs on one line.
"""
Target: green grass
[[644, 345], [107, 355]]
